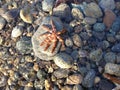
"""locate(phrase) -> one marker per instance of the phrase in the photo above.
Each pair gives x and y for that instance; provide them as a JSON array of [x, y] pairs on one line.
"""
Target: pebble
[[2, 22], [113, 69], [89, 20], [77, 40], [75, 54], [3, 80], [36, 39], [104, 44], [99, 27], [63, 11], [41, 74], [74, 79], [47, 5], [107, 4], [25, 15], [68, 42], [110, 57], [61, 73], [82, 53], [63, 60], [77, 14], [17, 31], [116, 48], [77, 87], [109, 18], [1, 40], [88, 80], [92, 10], [96, 55], [24, 45], [98, 35], [39, 85]]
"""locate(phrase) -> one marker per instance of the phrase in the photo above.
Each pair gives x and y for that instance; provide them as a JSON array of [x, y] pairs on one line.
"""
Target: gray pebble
[[17, 31], [68, 42], [89, 20], [62, 11], [77, 87], [24, 45], [41, 74], [116, 48], [75, 54], [47, 5], [96, 55], [99, 27], [88, 81], [39, 85], [63, 60], [2, 22], [113, 69], [77, 40], [110, 57]]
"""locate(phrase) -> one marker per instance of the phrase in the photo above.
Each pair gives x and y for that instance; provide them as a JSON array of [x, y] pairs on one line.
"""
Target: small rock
[[17, 31], [61, 73], [63, 60], [109, 18], [116, 48], [39, 85], [41, 74], [107, 4], [89, 20], [110, 57], [99, 27], [77, 14], [88, 81], [25, 15], [68, 42], [113, 69], [3, 80], [77, 87], [104, 44], [92, 10], [74, 79], [111, 38], [2, 22], [47, 5], [62, 11], [82, 53], [1, 40], [24, 45], [96, 55], [98, 35], [75, 54], [77, 40]]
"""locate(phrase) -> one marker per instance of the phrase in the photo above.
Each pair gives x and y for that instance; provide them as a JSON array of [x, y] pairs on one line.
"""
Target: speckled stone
[[77, 40], [47, 5], [63, 60], [107, 4], [110, 57], [99, 27], [62, 11], [68, 42], [116, 48], [89, 20], [36, 39], [92, 10], [113, 69], [88, 80], [2, 22]]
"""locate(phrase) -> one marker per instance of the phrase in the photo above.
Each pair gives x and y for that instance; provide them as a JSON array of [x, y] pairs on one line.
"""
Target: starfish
[[52, 36]]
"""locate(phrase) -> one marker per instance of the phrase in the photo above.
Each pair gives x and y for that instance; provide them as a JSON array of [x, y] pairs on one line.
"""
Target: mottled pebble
[[77, 87], [75, 54], [99, 27], [109, 18], [62, 11], [41, 74], [82, 53], [74, 79], [2, 22], [25, 15], [17, 31], [111, 38], [24, 45], [88, 80], [107, 4], [1, 40], [116, 48], [98, 35], [3, 80], [61, 73], [68, 42], [39, 85], [92, 10], [28, 88], [110, 57], [63, 60], [96, 55], [77, 14], [47, 5], [89, 20], [77, 40], [104, 44], [113, 69]]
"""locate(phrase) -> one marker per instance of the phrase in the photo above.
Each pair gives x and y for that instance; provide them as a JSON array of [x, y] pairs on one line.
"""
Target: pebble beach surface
[[90, 59]]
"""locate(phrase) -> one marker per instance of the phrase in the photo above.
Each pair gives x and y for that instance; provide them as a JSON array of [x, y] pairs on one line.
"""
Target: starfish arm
[[45, 41], [53, 26], [47, 46], [54, 46], [61, 40], [46, 28], [61, 32]]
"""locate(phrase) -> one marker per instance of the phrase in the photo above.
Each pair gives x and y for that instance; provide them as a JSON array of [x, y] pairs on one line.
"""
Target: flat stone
[[89, 20]]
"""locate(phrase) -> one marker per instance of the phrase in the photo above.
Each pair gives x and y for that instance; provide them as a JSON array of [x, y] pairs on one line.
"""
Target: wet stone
[[62, 11], [110, 57], [89, 20], [77, 87], [47, 5], [2, 22], [77, 40], [99, 27], [63, 60], [92, 10], [116, 48], [88, 80], [24, 45], [37, 39], [113, 69], [41, 74], [68, 42]]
